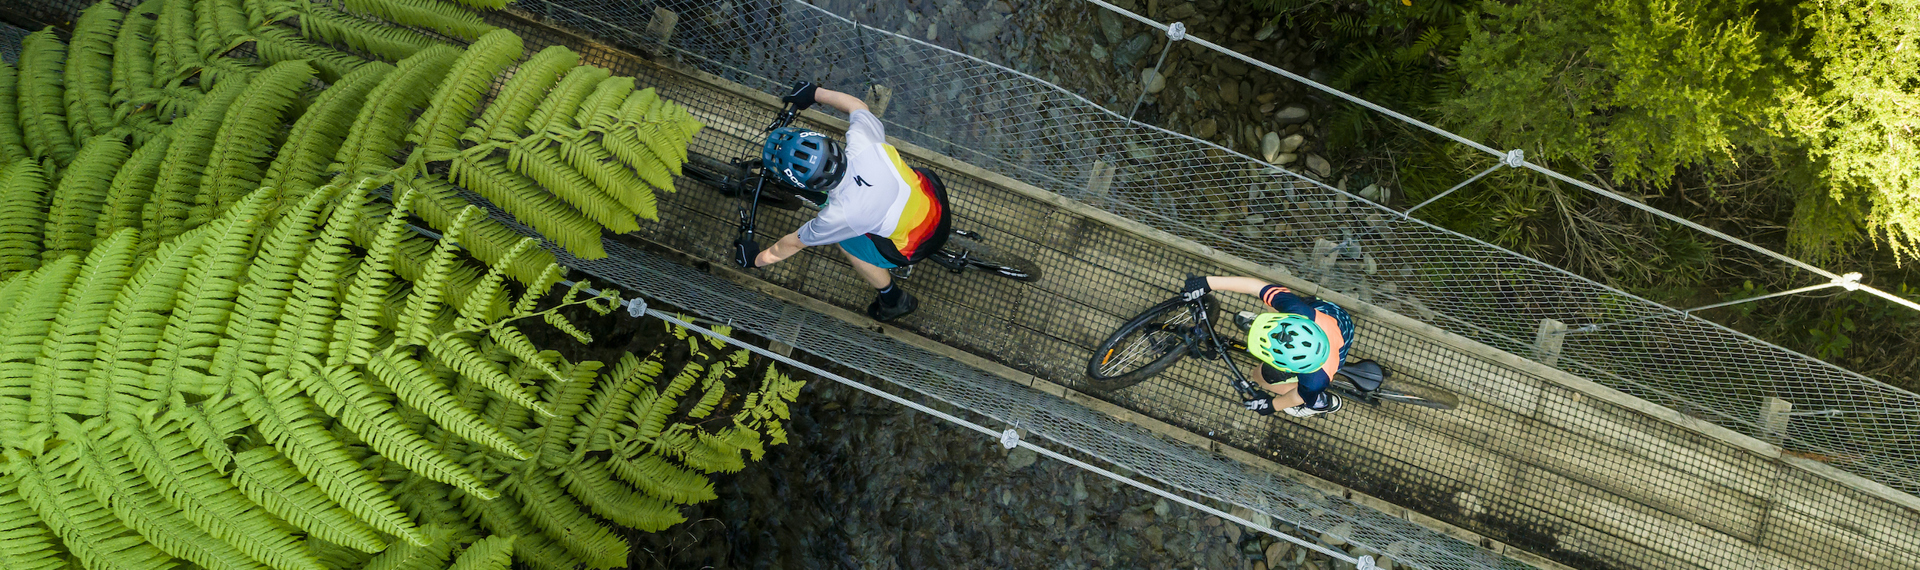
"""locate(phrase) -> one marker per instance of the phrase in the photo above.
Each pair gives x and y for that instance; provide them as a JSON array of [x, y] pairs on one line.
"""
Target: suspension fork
[[1240, 383], [750, 215]]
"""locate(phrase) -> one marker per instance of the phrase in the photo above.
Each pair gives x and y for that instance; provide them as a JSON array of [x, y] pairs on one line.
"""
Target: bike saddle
[[1365, 374]]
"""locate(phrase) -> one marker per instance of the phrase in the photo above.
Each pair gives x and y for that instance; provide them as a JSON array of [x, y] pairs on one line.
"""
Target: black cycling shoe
[[883, 313]]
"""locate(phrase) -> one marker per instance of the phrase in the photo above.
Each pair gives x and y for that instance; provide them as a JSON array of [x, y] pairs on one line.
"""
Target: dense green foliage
[[228, 347], [1790, 124]]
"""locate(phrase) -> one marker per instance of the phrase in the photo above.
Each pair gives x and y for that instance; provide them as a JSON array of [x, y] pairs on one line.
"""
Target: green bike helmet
[[1288, 341]]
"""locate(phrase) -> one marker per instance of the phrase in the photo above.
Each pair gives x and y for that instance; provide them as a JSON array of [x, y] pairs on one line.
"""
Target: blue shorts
[[861, 248]]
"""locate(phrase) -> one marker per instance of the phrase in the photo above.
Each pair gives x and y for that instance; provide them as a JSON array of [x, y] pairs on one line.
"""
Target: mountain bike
[[1177, 328], [964, 250]]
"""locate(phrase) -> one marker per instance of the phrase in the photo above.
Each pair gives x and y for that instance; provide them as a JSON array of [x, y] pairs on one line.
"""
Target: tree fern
[[89, 73], [132, 185], [407, 377], [657, 476], [42, 92], [132, 79], [310, 146], [176, 44], [277, 45], [555, 113], [490, 553], [430, 556], [28, 544], [27, 322], [376, 133], [86, 527], [177, 184], [78, 199], [506, 116], [200, 310], [59, 384], [468, 80], [23, 196], [426, 14], [325, 23], [12, 145], [542, 163], [562, 519], [595, 486], [523, 198], [490, 242], [234, 166]]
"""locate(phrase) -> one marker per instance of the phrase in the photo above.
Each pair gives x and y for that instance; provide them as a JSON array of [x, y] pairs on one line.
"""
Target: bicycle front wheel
[[1145, 346]]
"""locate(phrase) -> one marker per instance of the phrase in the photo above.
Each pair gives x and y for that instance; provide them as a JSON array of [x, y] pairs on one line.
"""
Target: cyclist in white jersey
[[878, 210]]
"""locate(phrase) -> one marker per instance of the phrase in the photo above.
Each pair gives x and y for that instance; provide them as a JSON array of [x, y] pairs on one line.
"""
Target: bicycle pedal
[[901, 272], [1244, 319]]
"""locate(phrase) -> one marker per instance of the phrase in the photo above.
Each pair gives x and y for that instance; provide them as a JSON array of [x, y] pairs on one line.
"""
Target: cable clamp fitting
[[1010, 438], [1176, 32], [1365, 563], [1851, 281], [636, 307], [1515, 158]]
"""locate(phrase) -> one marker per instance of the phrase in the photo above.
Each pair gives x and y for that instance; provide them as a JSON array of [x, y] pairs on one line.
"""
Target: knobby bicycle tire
[[1419, 396], [733, 180], [1154, 358], [985, 258]]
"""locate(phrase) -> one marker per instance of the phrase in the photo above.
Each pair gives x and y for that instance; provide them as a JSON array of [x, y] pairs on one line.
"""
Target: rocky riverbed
[[866, 483]]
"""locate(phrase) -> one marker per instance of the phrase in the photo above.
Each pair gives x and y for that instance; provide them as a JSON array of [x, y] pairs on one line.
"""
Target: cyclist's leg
[[867, 262], [1285, 394]]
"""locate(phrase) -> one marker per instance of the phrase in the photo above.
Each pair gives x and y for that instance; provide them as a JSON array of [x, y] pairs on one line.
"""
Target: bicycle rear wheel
[[1418, 395], [1144, 347], [985, 258]]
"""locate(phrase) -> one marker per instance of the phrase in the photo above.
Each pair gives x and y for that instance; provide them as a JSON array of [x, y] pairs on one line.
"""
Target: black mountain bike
[[964, 250], [1153, 341]]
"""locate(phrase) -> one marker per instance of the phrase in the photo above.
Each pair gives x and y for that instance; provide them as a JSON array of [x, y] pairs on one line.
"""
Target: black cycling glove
[[1195, 288], [1262, 406], [801, 96], [745, 250]]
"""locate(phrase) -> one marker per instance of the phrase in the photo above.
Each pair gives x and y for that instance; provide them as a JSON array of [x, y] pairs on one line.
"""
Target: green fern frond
[[302, 161], [490, 553], [555, 113], [606, 99], [28, 544], [288, 420], [87, 528], [277, 45], [591, 483], [505, 117], [12, 146], [234, 167], [438, 202], [562, 520], [429, 292], [629, 144], [200, 312], [612, 178], [27, 321], [269, 285], [426, 14], [176, 43], [345, 393], [367, 290], [409, 379], [720, 453], [263, 12], [430, 556], [656, 476], [271, 480], [523, 198], [42, 92], [90, 71], [468, 80], [59, 384], [650, 413], [23, 207], [542, 163], [376, 133], [133, 330], [611, 401], [77, 201], [178, 183], [132, 79], [517, 344], [326, 23], [461, 355], [131, 186]]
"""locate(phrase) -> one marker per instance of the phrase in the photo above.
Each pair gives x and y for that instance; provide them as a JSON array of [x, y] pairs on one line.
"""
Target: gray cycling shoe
[[883, 312], [1304, 411]]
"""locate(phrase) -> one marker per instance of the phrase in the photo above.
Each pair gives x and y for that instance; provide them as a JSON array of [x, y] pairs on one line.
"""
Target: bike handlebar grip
[[744, 252]]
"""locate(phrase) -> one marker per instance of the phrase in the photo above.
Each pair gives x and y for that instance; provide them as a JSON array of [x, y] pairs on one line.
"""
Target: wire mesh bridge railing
[[1026, 128]]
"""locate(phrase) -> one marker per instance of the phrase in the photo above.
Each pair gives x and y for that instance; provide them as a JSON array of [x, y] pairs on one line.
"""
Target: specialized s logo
[[858, 181]]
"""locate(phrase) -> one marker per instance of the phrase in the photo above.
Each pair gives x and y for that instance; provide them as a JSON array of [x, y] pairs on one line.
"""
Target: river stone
[[1292, 114], [1180, 11], [1266, 32], [985, 29], [1139, 151], [1373, 193], [933, 32], [1206, 128], [1270, 146], [1160, 508], [1109, 25], [1230, 92], [1319, 165], [1131, 51], [1021, 457], [1098, 53], [1058, 43], [1292, 142], [1286, 158], [1002, 6], [1152, 80], [1232, 66]]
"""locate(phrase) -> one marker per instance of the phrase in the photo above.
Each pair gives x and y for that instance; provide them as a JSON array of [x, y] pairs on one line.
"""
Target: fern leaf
[[178, 182], [429, 291], [561, 519], [656, 476], [555, 113], [409, 379], [591, 483], [82, 193], [230, 23], [626, 144], [201, 309], [28, 544], [90, 71], [87, 528], [651, 413], [132, 79], [269, 284], [607, 98], [247, 132], [328, 24], [133, 330], [287, 419], [12, 146], [27, 320], [430, 556], [176, 44], [344, 393], [490, 553], [612, 178], [43, 116], [610, 403], [23, 199], [60, 381], [521, 197], [426, 14], [460, 354], [506, 116], [438, 202], [371, 284], [468, 80], [263, 12], [272, 481], [522, 347], [566, 400], [376, 133], [302, 160], [131, 186], [279, 45], [543, 164]]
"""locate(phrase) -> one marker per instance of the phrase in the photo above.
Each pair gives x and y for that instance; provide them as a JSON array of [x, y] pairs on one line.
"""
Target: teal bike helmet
[[803, 158], [1288, 341]]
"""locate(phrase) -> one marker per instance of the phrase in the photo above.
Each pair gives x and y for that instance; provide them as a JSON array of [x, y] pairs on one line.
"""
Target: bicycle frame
[[1198, 308]]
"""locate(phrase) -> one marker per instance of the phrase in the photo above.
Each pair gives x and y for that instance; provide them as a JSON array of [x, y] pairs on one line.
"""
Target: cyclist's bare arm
[[785, 248], [1247, 285], [842, 101]]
